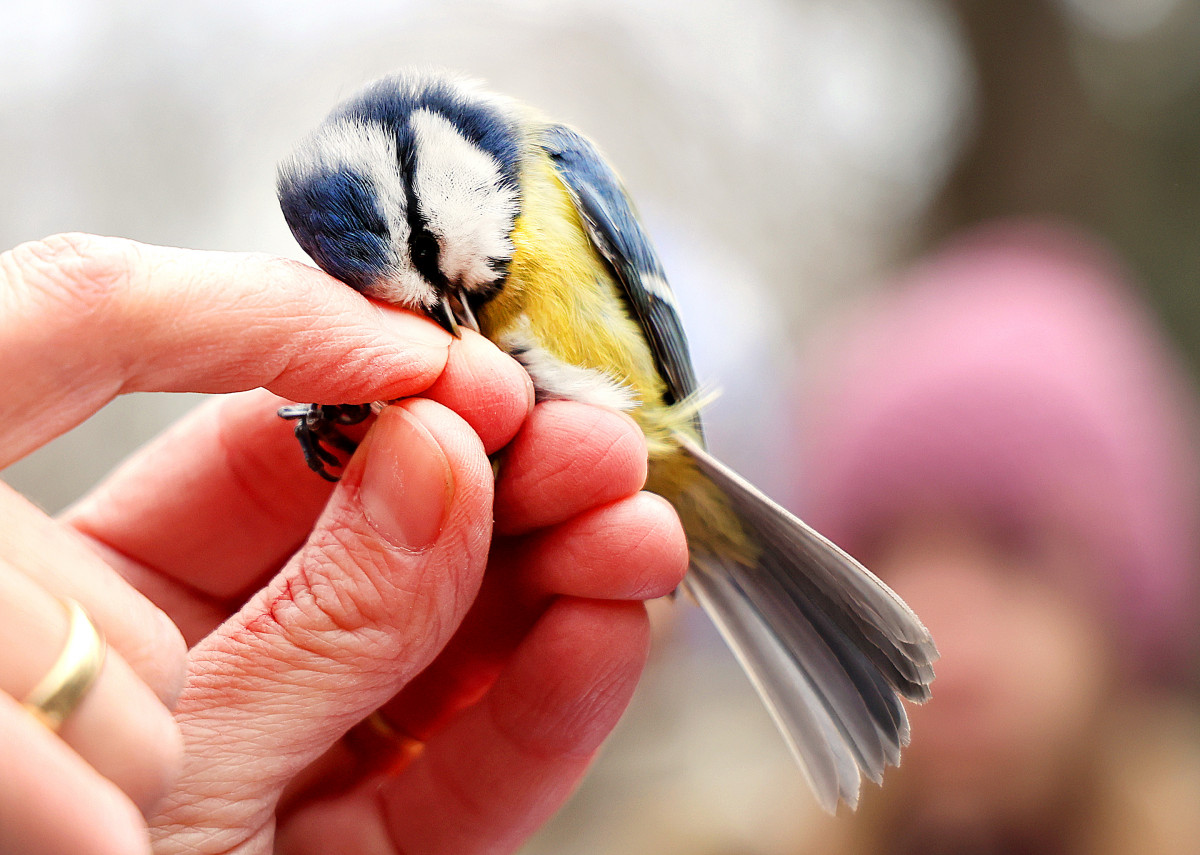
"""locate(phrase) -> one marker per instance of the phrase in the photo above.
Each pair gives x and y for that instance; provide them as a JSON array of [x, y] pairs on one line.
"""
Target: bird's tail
[[830, 648]]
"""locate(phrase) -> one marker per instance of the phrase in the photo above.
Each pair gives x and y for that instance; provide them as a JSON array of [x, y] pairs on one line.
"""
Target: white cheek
[[464, 199], [404, 287]]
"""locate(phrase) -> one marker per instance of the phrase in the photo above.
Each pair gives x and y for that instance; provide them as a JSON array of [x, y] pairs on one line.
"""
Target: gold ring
[[57, 694], [383, 746]]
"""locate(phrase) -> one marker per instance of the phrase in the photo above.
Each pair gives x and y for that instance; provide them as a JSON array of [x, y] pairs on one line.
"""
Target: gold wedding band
[[58, 693], [382, 745]]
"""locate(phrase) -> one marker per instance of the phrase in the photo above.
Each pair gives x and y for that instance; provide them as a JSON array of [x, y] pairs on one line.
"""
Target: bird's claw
[[317, 431]]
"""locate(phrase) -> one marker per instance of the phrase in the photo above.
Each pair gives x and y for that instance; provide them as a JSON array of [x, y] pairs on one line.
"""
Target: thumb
[[372, 597]]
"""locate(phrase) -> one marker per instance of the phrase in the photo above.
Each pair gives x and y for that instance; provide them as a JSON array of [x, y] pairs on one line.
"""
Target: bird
[[427, 191]]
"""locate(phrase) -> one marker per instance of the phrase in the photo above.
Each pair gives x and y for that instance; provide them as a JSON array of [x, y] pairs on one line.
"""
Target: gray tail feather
[[828, 646]]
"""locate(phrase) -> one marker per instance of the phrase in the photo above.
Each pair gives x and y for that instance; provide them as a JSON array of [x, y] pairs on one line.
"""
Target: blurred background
[[795, 159]]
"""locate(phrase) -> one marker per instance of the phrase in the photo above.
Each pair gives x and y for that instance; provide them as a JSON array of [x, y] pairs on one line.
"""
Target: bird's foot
[[318, 431]]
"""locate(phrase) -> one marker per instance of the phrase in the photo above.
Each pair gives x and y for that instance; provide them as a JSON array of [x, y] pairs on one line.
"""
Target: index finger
[[86, 318]]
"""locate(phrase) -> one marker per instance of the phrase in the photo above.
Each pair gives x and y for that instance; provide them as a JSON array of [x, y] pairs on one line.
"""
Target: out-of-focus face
[[1027, 662]]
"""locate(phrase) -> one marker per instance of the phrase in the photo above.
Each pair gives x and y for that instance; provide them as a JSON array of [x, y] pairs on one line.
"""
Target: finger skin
[[62, 564], [501, 770], [485, 386], [52, 801], [219, 501], [223, 498], [632, 549], [146, 318], [351, 619], [489, 780], [119, 727], [549, 472]]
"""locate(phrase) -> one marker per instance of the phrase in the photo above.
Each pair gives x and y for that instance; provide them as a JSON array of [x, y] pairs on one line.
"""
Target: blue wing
[[618, 236]]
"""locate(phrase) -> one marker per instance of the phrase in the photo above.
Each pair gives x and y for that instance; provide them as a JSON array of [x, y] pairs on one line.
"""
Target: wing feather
[[615, 231]]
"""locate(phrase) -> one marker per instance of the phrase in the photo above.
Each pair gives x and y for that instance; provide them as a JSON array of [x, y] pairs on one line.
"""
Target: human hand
[[205, 517]]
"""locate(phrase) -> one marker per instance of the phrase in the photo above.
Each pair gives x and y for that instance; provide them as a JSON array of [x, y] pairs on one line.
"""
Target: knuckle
[[327, 598], [75, 270], [340, 602]]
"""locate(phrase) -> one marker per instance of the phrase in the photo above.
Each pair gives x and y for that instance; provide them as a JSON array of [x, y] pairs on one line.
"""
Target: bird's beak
[[443, 313], [465, 313], [453, 311]]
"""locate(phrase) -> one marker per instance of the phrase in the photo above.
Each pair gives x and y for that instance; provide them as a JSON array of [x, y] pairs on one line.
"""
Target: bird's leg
[[317, 431]]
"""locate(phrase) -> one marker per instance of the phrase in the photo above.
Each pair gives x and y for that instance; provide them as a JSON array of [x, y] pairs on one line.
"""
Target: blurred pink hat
[[1014, 374]]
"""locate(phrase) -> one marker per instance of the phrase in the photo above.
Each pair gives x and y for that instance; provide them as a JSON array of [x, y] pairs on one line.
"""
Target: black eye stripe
[[423, 246], [425, 251]]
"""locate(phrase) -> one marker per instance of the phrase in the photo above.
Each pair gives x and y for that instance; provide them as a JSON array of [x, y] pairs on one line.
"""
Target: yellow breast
[[566, 291], [563, 289]]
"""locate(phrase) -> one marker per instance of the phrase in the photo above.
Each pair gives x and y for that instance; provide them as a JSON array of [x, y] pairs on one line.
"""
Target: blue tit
[[428, 192]]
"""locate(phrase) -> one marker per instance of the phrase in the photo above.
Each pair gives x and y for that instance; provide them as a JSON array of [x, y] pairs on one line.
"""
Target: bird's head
[[409, 192]]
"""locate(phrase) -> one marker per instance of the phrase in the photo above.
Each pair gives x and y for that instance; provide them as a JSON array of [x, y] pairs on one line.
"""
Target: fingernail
[[413, 329], [407, 483]]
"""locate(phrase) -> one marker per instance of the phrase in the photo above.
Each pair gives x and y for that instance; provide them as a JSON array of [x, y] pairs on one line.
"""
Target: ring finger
[[60, 561], [119, 726]]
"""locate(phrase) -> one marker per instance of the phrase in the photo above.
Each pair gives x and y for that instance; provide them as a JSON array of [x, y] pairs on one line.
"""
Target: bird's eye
[[424, 248]]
